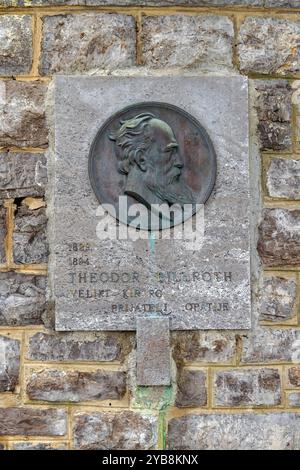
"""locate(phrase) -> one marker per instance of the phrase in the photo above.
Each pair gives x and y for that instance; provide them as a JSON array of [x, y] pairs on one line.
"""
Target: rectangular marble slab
[[92, 281]]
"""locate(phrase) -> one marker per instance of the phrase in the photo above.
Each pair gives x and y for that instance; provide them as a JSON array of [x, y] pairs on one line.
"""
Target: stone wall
[[230, 390]]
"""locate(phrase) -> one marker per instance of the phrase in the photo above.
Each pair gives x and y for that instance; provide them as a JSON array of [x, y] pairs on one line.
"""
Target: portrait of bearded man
[[149, 157]]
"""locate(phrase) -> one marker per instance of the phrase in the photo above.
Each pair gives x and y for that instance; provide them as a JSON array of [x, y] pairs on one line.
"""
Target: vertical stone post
[[153, 351]]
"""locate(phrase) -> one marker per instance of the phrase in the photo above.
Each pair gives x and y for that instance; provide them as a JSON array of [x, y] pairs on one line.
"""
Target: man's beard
[[173, 190]]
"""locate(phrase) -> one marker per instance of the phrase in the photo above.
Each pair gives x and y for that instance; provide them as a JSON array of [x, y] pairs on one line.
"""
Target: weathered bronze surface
[[154, 153]]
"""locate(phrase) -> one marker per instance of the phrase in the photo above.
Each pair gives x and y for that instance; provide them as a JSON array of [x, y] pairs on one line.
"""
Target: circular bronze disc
[[132, 140]]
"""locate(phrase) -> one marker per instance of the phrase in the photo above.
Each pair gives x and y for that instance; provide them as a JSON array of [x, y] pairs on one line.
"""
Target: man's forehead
[[162, 129]]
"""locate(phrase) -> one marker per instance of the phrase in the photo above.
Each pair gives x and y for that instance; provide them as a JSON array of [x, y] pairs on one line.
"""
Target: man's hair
[[132, 137]]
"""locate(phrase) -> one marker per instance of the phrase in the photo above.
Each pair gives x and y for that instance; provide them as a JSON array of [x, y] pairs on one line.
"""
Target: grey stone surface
[[79, 347], [9, 363], [2, 233], [32, 421], [22, 299], [191, 388], [87, 42], [293, 377], [212, 289], [22, 174], [75, 386], [26, 127], [15, 44], [278, 298], [247, 387], [294, 399], [298, 128], [269, 46], [38, 445], [279, 237], [281, 3], [153, 351], [283, 178], [200, 346], [41, 3], [271, 345], [220, 3], [30, 239], [125, 430], [188, 42], [267, 431], [274, 111]]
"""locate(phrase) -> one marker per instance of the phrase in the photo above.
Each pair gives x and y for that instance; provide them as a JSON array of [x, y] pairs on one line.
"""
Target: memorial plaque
[[178, 145], [159, 164]]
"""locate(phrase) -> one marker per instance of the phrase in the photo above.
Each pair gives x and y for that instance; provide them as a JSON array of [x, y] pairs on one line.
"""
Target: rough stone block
[[200, 346], [283, 178], [23, 105], [294, 399], [247, 387], [75, 386], [15, 44], [248, 431], [191, 388], [269, 46], [9, 363], [279, 237], [2, 233], [293, 377], [22, 174], [281, 3], [30, 239], [38, 445], [43, 3], [188, 42], [273, 104], [87, 42], [126, 430], [22, 299], [278, 298], [79, 346], [298, 129], [296, 95], [219, 3], [32, 422], [271, 345]]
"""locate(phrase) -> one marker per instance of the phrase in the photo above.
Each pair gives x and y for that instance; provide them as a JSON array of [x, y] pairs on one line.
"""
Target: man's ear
[[140, 160]]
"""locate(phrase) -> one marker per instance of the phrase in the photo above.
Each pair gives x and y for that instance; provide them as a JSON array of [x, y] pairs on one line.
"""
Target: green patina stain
[[162, 431], [155, 398], [151, 238]]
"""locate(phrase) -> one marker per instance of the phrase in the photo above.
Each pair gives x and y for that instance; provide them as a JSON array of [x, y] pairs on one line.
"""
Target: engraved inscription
[[92, 284]]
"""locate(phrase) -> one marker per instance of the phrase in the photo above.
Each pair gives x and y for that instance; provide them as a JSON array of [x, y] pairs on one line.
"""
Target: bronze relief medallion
[[153, 154]]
